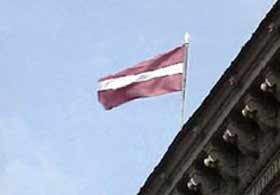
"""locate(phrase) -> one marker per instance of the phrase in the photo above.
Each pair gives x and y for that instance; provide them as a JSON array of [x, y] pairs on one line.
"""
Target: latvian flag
[[159, 75]]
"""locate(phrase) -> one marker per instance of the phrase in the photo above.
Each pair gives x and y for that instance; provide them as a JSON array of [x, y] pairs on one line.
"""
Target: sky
[[55, 138]]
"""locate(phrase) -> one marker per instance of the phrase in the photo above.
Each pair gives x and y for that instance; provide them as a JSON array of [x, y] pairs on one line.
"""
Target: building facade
[[231, 144]]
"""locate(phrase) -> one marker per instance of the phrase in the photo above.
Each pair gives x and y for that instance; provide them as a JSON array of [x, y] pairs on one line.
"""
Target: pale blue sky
[[55, 138]]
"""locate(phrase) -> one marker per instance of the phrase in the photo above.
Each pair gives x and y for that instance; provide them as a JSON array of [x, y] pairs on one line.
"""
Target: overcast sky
[[55, 138]]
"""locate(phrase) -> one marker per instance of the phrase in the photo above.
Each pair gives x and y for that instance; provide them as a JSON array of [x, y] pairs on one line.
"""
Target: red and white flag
[[159, 75]]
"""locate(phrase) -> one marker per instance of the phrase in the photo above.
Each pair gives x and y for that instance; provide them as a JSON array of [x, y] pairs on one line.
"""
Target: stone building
[[231, 144]]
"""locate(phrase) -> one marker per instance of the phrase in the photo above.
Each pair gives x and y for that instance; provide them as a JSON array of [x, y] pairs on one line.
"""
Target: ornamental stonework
[[231, 144]]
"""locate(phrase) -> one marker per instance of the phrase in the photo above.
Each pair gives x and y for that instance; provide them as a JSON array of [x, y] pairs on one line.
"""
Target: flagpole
[[184, 80]]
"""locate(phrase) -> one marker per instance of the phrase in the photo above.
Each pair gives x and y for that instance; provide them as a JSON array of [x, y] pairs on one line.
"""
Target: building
[[231, 144]]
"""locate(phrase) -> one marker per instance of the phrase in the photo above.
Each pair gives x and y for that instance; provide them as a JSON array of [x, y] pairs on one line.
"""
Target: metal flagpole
[[184, 80]]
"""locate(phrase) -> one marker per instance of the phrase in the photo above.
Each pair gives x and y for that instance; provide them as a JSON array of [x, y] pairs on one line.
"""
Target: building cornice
[[215, 110]]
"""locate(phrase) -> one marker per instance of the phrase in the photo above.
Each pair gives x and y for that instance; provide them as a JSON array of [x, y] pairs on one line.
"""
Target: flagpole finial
[[187, 38]]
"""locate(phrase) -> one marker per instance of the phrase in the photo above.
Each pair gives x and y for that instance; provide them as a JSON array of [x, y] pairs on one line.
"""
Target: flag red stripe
[[153, 87], [170, 58]]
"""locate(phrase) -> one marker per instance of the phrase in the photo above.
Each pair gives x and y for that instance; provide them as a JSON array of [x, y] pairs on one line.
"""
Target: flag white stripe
[[145, 76]]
